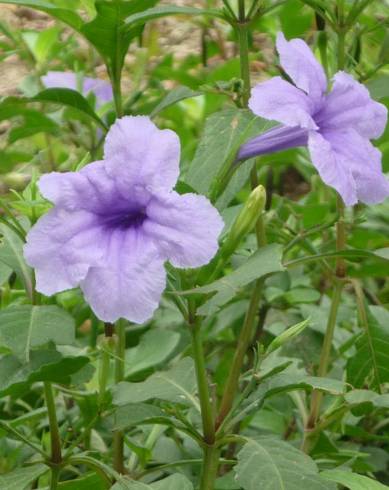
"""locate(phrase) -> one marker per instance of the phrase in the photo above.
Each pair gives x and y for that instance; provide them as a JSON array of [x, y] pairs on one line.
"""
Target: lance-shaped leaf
[[26, 327], [70, 98], [165, 10], [371, 360], [264, 261], [269, 464], [21, 478], [353, 481], [153, 348], [133, 414], [172, 482], [175, 95], [11, 254], [223, 134], [68, 16], [44, 365], [178, 385], [108, 32]]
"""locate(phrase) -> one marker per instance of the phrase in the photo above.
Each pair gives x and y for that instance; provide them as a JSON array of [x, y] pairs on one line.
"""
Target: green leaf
[[134, 414], [68, 16], [5, 272], [21, 478], [174, 96], [25, 327], [178, 385], [11, 254], [165, 10], [287, 335], [44, 365], [264, 261], [372, 358], [294, 381], [34, 123], [172, 482], [108, 32], [153, 348], [88, 482], [368, 398], [269, 464], [352, 481], [379, 87], [223, 134], [68, 97]]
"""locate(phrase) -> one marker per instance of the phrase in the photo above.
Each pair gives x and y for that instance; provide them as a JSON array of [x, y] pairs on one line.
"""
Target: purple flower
[[118, 220], [336, 126], [61, 79]]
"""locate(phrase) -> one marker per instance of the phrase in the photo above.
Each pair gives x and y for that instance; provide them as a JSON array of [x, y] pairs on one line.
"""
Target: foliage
[[235, 382]]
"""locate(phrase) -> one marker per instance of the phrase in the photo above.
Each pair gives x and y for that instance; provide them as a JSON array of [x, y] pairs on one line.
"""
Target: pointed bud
[[246, 219]]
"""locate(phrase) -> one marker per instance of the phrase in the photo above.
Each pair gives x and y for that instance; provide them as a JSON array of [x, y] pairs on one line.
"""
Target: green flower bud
[[246, 219]]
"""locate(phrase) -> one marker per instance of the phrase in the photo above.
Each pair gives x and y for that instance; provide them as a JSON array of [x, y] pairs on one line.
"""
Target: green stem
[[117, 95], [240, 352], [341, 48], [210, 467], [243, 40], [317, 395], [211, 453], [56, 454], [54, 478], [105, 360], [118, 437], [202, 383], [340, 239]]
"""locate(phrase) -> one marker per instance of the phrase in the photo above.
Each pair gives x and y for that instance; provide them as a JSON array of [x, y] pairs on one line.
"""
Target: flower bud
[[246, 219]]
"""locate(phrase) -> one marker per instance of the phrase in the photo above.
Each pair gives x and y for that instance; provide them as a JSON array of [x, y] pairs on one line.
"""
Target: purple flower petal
[[61, 79], [349, 105], [101, 88], [276, 139], [138, 153], [332, 168], [300, 64], [364, 161], [184, 227], [61, 247], [116, 222], [131, 281], [280, 101]]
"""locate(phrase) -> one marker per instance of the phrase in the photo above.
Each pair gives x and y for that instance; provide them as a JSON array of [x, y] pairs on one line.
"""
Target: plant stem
[[317, 396], [243, 40], [118, 437], [237, 363], [211, 453], [202, 383], [54, 478], [210, 467], [56, 454]]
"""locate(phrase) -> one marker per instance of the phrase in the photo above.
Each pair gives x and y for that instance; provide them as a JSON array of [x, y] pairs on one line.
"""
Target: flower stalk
[[211, 452], [55, 440], [118, 437], [243, 40], [317, 396]]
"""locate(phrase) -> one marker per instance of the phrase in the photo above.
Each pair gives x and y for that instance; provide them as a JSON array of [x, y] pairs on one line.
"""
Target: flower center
[[125, 219]]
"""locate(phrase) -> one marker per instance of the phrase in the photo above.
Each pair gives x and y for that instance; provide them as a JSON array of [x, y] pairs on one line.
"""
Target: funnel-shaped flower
[[63, 79], [336, 126], [118, 220]]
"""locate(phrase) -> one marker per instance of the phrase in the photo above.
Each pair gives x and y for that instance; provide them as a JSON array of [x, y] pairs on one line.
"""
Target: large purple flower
[[336, 126], [63, 79], [118, 220]]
